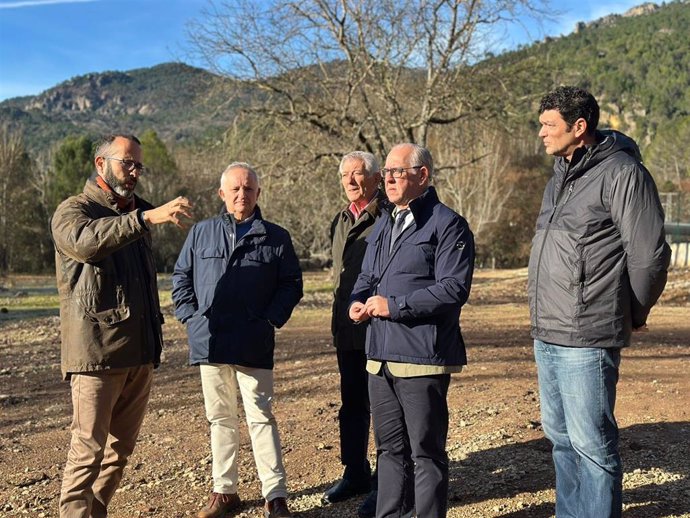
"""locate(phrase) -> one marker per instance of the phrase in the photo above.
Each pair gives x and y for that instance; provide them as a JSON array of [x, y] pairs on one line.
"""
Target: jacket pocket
[[199, 336], [258, 257], [411, 341], [212, 253], [416, 258], [581, 283], [109, 317], [556, 296], [213, 261]]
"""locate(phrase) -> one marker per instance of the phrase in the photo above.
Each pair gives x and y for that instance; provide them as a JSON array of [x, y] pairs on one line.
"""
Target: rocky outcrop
[[89, 93], [611, 19]]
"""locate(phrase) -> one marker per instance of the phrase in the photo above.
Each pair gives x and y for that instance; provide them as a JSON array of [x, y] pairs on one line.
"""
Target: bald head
[[407, 173]]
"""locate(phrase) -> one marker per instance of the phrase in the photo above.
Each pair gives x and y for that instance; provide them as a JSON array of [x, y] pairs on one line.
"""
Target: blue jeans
[[577, 389]]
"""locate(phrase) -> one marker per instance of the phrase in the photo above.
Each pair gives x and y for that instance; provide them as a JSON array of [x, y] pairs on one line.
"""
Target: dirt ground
[[500, 462]]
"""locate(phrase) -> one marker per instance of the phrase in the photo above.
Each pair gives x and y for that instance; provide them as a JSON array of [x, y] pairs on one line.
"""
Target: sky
[[46, 42]]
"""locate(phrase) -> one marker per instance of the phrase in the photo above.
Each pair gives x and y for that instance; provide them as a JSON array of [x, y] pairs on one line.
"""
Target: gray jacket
[[599, 257]]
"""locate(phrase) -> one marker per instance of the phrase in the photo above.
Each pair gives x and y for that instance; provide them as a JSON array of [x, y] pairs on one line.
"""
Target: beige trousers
[[108, 409], [219, 384]]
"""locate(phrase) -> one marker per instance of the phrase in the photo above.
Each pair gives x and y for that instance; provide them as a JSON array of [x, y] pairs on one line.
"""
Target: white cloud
[[38, 3]]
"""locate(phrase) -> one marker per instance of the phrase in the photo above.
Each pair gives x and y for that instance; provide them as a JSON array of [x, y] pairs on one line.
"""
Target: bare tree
[[475, 179], [11, 153], [668, 158], [21, 232], [338, 75], [364, 73]]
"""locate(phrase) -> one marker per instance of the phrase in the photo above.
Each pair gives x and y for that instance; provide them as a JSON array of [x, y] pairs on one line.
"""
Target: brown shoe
[[220, 504], [277, 508]]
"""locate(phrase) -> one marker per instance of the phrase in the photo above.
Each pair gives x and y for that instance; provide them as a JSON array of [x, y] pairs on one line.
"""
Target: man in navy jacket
[[415, 277], [237, 279]]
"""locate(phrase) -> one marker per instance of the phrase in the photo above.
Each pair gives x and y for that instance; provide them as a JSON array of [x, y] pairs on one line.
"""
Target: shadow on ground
[[506, 472]]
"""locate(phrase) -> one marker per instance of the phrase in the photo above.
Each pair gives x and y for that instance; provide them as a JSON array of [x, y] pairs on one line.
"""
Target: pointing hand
[[171, 212]]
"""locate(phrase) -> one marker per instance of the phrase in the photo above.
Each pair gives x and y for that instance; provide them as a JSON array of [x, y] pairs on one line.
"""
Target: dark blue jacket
[[231, 300], [426, 278]]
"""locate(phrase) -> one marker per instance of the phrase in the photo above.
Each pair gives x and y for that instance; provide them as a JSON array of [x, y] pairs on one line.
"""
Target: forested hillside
[[178, 101], [638, 66]]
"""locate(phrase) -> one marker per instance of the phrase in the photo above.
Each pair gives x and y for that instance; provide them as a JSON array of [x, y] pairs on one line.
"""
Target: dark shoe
[[344, 489], [220, 504], [367, 509], [277, 508]]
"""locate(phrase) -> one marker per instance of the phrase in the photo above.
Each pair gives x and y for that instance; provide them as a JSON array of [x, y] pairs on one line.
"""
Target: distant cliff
[[179, 101], [611, 19]]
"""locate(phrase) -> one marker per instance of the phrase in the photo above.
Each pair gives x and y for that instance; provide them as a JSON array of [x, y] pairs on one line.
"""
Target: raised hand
[[171, 212]]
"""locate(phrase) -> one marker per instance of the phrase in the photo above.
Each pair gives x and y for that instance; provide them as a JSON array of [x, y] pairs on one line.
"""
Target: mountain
[[179, 101], [637, 64]]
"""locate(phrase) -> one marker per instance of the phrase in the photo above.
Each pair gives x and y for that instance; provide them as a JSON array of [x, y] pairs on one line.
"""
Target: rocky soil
[[500, 462]]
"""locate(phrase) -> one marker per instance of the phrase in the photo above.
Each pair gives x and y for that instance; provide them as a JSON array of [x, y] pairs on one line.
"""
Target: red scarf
[[124, 204]]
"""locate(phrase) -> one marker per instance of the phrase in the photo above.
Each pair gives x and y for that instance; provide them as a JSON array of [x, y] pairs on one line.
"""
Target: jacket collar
[[258, 228], [105, 198], [607, 142], [223, 210], [423, 206], [373, 208]]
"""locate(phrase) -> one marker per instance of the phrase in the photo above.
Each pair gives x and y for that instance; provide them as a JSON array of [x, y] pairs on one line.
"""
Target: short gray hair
[[371, 163], [419, 156], [239, 165]]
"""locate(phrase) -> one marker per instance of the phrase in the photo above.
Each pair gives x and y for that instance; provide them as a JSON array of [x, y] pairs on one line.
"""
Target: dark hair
[[572, 103], [102, 145]]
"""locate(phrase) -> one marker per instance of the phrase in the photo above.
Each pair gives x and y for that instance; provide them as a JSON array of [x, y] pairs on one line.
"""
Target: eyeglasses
[[397, 172], [129, 165]]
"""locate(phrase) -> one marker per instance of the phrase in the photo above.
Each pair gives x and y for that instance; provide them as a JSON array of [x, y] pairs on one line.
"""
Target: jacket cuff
[[184, 314], [140, 217], [639, 317], [396, 306]]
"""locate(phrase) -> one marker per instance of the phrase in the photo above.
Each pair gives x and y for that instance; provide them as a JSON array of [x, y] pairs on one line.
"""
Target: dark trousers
[[354, 416], [410, 427]]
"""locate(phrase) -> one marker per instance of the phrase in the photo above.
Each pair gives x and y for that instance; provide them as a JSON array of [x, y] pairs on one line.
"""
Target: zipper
[[554, 212], [581, 295]]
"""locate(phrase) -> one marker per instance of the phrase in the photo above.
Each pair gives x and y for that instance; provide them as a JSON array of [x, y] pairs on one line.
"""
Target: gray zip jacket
[[599, 258]]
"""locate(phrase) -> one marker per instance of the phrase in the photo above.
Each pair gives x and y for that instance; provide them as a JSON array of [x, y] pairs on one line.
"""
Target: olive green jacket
[[348, 244], [106, 278]]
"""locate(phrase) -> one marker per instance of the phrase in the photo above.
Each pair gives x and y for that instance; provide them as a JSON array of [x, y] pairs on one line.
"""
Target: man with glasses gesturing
[[416, 275], [110, 319]]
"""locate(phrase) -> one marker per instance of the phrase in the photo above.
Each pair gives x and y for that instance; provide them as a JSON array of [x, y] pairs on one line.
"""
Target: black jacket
[[348, 244], [599, 257]]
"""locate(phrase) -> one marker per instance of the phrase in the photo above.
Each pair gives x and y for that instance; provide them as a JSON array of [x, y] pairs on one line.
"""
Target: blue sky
[[45, 42]]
